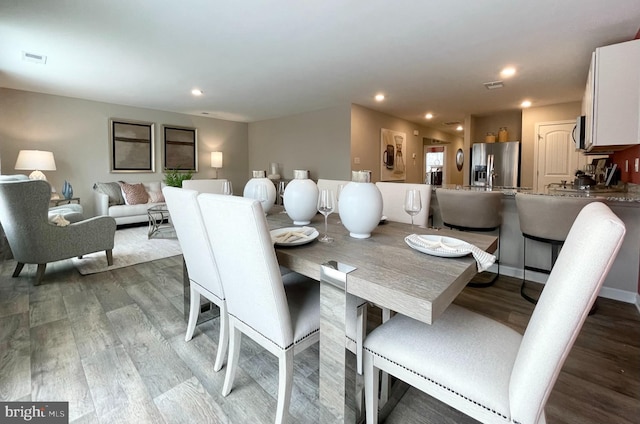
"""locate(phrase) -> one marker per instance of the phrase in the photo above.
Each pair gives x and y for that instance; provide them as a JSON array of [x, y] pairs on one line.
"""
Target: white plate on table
[[311, 237], [448, 252]]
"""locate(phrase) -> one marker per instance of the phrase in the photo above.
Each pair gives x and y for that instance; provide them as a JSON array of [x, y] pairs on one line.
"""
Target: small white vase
[[250, 191], [360, 205], [301, 198]]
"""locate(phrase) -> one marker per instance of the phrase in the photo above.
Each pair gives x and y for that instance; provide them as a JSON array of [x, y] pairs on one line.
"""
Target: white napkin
[[483, 259], [302, 233], [59, 220]]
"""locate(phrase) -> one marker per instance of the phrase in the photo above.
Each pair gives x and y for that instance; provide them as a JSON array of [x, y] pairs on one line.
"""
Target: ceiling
[[260, 59]]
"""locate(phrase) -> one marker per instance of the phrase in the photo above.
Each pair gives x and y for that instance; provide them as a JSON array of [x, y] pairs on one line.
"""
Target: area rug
[[131, 246]]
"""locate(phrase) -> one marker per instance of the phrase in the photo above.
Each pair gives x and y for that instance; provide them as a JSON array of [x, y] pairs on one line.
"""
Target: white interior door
[[556, 156]]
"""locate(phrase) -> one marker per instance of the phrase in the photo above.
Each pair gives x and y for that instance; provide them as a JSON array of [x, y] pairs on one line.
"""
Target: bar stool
[[472, 210], [546, 219]]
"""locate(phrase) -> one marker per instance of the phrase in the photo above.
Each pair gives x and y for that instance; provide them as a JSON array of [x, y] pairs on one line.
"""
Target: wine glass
[[260, 194], [412, 204], [281, 187], [326, 205], [227, 188]]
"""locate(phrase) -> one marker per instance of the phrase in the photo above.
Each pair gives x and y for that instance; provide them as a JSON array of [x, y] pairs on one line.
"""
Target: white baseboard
[[537, 277]]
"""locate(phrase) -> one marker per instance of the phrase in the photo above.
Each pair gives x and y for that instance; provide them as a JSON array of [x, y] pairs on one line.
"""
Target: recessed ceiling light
[[379, 97], [526, 103], [429, 115], [196, 92], [459, 128], [507, 72]]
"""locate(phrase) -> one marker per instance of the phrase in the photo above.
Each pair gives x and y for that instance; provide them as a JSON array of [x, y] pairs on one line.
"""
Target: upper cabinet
[[611, 102]]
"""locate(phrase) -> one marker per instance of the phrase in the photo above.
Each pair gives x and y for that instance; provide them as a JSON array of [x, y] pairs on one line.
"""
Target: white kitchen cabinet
[[612, 97]]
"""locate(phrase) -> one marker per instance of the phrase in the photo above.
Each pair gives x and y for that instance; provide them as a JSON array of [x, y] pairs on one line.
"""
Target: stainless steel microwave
[[579, 132]]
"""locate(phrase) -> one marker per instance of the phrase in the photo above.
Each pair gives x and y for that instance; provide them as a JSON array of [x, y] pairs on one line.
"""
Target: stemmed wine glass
[[326, 205], [412, 204], [227, 188], [260, 194], [281, 187]]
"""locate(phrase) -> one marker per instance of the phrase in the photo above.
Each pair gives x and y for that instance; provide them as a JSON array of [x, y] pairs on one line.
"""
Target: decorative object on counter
[[282, 186], [503, 135], [227, 188], [274, 173], [216, 161], [490, 138], [301, 198], [583, 180], [260, 177], [67, 190], [360, 205], [36, 161]]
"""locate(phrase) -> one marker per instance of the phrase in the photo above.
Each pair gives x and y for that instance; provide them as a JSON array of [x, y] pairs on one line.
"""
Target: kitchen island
[[624, 278]]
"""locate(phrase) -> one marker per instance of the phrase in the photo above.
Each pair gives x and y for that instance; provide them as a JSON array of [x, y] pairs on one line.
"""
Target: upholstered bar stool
[[546, 219], [472, 210]]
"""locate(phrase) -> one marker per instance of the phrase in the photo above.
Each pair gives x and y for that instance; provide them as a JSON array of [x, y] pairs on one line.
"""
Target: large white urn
[[360, 205], [252, 191], [301, 198]]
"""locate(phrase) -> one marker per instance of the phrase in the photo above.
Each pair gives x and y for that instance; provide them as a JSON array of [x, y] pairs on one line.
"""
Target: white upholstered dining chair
[[484, 368], [208, 185], [201, 266], [393, 202]]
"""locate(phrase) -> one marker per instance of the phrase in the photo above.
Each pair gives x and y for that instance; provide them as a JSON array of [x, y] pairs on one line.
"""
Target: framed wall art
[[392, 163], [180, 148], [132, 146]]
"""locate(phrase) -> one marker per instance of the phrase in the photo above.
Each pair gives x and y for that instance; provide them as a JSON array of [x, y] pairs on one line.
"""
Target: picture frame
[[132, 146], [393, 144], [180, 148]]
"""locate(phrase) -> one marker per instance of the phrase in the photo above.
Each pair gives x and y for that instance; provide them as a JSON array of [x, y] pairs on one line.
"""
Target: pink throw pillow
[[134, 194]]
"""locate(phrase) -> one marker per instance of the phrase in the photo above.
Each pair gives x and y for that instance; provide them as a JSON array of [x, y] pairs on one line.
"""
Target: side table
[[160, 222], [63, 201]]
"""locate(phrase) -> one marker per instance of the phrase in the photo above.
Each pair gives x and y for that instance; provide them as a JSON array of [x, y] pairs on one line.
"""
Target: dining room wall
[[77, 132], [317, 141]]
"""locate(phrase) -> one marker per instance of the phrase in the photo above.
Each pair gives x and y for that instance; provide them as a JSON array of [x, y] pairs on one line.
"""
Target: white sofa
[[124, 213]]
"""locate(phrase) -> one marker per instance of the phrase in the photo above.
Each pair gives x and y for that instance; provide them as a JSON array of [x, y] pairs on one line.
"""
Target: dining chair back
[[393, 195], [202, 269], [205, 185], [500, 376], [280, 312]]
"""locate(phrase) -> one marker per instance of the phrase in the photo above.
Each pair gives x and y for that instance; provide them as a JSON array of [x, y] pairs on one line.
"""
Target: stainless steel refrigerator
[[506, 164]]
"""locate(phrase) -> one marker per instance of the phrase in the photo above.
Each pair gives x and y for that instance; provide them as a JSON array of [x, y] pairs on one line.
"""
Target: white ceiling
[[261, 59]]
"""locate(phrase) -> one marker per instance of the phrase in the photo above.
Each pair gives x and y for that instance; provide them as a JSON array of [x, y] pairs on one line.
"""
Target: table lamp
[[36, 161], [216, 161]]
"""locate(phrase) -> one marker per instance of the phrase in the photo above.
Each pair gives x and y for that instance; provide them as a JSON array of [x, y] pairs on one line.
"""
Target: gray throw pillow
[[112, 190]]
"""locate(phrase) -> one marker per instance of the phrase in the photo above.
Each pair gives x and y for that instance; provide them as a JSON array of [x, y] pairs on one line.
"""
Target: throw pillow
[[112, 190], [134, 194], [156, 197]]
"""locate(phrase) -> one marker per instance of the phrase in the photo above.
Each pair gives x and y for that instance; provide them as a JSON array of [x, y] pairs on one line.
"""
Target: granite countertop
[[630, 193]]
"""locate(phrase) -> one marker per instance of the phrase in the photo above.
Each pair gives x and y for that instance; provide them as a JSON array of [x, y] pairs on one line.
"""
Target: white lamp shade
[[216, 159], [35, 160]]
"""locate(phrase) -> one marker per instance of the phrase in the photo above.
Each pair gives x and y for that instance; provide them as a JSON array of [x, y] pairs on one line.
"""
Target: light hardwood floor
[[112, 345]]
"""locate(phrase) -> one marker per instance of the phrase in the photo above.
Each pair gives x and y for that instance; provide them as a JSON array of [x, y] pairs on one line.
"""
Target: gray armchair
[[24, 207]]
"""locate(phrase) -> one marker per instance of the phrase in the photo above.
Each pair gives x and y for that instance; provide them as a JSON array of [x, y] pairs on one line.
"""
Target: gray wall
[[318, 141], [77, 132]]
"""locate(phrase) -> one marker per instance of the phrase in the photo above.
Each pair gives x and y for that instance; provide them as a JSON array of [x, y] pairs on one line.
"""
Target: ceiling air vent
[[452, 123], [34, 57], [493, 85]]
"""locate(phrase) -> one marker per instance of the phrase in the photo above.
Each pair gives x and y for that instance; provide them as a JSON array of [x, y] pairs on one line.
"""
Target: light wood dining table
[[381, 269]]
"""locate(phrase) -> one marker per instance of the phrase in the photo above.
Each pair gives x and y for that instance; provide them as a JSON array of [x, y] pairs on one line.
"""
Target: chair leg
[[285, 383], [223, 340], [371, 382], [361, 330], [194, 311], [385, 385], [234, 355], [40, 273], [109, 253], [18, 269]]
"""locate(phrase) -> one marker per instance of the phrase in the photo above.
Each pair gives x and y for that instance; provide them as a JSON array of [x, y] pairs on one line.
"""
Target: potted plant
[[175, 177]]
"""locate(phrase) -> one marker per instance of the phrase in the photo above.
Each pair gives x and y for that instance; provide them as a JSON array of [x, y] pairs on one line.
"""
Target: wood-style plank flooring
[[112, 345]]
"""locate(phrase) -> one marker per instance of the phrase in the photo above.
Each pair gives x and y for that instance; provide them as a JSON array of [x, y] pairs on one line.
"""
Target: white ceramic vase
[[250, 189], [301, 198], [360, 205]]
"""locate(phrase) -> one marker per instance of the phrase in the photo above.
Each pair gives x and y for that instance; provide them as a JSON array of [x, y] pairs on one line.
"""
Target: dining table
[[382, 270]]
